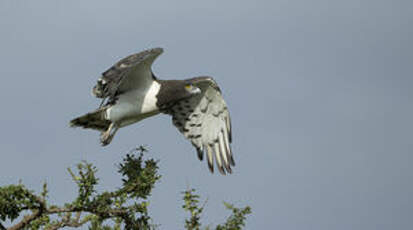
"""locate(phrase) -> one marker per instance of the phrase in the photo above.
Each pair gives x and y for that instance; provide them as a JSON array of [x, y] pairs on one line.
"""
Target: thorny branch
[[29, 218], [125, 206]]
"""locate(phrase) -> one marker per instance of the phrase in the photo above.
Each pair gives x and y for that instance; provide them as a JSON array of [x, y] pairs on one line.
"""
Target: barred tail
[[93, 120]]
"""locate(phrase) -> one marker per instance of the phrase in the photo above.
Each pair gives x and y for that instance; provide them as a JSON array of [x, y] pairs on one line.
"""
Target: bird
[[130, 92]]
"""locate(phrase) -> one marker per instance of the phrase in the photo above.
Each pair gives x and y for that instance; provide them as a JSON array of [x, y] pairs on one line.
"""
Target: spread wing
[[129, 73], [204, 120]]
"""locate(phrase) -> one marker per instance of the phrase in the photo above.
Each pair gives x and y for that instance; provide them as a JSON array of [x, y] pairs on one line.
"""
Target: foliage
[[237, 220], [234, 222], [123, 208], [191, 205]]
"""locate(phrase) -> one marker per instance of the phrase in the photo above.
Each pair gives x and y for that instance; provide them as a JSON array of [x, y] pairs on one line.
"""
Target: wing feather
[[200, 152], [218, 158], [223, 151], [210, 158], [204, 120], [131, 72], [228, 148]]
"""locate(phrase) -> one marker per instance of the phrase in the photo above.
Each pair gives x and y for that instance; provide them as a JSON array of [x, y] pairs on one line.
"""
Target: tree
[[123, 208]]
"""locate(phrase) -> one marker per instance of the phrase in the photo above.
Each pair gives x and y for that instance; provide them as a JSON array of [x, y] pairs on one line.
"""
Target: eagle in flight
[[130, 92]]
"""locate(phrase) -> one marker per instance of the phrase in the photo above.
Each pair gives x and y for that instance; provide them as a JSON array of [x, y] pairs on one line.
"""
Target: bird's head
[[172, 91]]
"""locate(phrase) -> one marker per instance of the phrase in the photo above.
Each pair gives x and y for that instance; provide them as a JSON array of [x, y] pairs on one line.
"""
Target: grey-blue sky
[[320, 95]]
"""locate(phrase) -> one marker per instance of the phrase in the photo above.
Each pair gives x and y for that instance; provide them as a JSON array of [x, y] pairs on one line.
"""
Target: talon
[[107, 136]]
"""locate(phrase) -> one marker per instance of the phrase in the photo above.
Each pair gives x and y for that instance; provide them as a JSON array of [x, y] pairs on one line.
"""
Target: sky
[[320, 94]]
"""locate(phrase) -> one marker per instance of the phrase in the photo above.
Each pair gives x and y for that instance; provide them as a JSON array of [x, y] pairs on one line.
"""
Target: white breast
[[135, 105], [149, 100]]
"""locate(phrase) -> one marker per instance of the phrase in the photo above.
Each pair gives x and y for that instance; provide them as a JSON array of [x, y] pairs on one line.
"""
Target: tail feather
[[93, 120]]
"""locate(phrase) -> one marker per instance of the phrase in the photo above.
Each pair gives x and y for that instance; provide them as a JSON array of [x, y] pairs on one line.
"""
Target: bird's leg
[[101, 104], [107, 136]]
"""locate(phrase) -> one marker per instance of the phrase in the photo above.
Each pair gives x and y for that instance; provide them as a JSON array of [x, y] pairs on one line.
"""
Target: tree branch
[[66, 220], [69, 222], [126, 207], [26, 220], [111, 212], [29, 218]]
